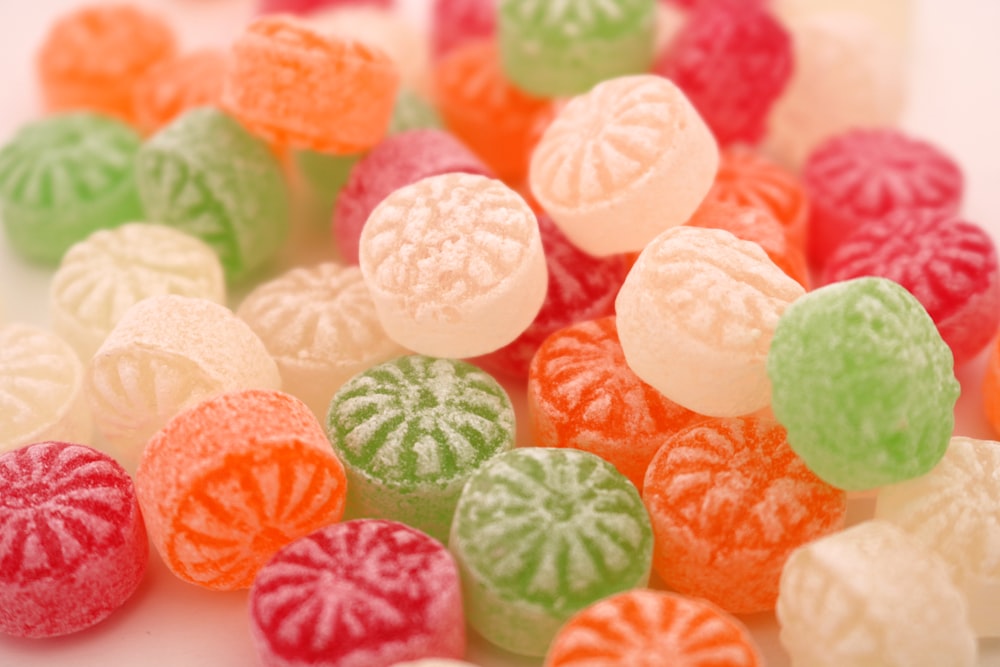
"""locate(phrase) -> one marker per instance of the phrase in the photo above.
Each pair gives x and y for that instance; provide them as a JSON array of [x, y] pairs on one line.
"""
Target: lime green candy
[[565, 47], [863, 383], [206, 175], [64, 177], [539, 534], [410, 431]]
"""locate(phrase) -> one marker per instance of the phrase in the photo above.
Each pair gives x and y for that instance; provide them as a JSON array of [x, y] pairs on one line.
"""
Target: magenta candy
[[455, 22], [309, 6]]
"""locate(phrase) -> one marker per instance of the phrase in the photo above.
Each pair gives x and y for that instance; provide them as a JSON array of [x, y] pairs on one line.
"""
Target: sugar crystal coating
[[434, 662], [455, 22], [176, 85]]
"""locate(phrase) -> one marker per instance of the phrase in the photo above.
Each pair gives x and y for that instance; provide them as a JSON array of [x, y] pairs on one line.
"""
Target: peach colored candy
[[319, 324], [166, 354], [454, 264], [301, 89], [622, 163], [174, 86], [225, 485], [696, 316]]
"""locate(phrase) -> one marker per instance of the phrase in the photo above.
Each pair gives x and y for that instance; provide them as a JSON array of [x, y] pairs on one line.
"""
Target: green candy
[[564, 47], [64, 177], [863, 383], [410, 431], [206, 175]]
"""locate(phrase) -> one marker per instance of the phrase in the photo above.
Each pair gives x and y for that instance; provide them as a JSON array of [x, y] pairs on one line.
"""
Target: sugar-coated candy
[[455, 265], [582, 394], [455, 22], [320, 326], [729, 501], [229, 482], [309, 6], [64, 176], [892, 18], [541, 533], [41, 389], [732, 59], [552, 49], [434, 662], [399, 160], [622, 163], [647, 628], [411, 431], [176, 85], [363, 593], [954, 510], [413, 112], [870, 399], [72, 536], [302, 89], [93, 56], [872, 595], [949, 265], [991, 386], [696, 315], [102, 276], [206, 175], [166, 354]]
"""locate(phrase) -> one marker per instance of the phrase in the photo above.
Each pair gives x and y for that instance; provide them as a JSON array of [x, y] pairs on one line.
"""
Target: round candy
[[696, 315], [411, 431], [564, 48], [540, 534], [413, 112], [103, 276], [226, 484], [863, 383], [434, 662], [41, 389], [63, 177], [363, 593], [308, 6], [72, 537], [622, 163], [991, 386], [206, 175], [455, 22], [645, 628], [455, 265], [179, 84], [729, 501]]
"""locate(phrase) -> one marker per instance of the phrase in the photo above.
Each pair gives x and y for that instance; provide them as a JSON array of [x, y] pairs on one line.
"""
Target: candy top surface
[[569, 20], [286, 40]]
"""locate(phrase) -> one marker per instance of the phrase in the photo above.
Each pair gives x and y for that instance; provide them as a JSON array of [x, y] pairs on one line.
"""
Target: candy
[[319, 325], [696, 315], [991, 386], [204, 174], [92, 57], [73, 540], [434, 662], [541, 533], [581, 394], [869, 401], [857, 178], [413, 112], [949, 265], [363, 593], [63, 177], [226, 484], [893, 18], [41, 389], [111, 270], [729, 501], [307, 6], [565, 48], [622, 163], [732, 59], [299, 88], [871, 595], [454, 264], [399, 160], [644, 628], [174, 86], [411, 431], [166, 354], [455, 22]]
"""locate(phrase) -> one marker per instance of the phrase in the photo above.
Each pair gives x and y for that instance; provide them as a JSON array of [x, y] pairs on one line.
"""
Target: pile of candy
[[686, 235]]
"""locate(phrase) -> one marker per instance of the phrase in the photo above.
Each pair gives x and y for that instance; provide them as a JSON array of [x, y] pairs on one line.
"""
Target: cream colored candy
[[102, 276], [41, 389], [955, 511], [622, 163], [696, 316], [320, 325], [872, 596], [454, 264], [166, 354]]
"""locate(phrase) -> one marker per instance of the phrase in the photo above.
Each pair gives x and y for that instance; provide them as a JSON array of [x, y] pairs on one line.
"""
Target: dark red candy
[[454, 22]]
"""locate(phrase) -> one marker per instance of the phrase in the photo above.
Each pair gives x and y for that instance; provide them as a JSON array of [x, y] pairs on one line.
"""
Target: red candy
[[454, 22], [309, 6]]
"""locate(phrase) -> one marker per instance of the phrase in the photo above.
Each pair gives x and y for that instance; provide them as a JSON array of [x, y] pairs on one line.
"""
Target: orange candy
[[644, 628], [174, 86], [301, 89], [729, 501], [991, 387], [92, 57]]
